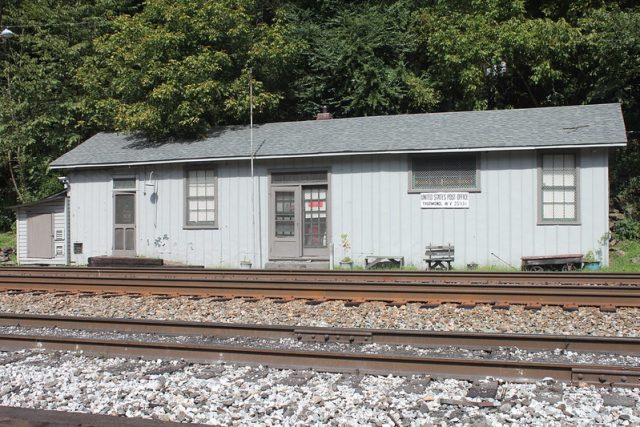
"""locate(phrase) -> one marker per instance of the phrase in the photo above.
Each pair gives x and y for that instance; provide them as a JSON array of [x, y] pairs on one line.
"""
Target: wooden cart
[[566, 262]]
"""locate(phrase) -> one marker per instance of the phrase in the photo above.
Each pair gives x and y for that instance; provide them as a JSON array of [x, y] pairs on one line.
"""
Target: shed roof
[[528, 128], [52, 198]]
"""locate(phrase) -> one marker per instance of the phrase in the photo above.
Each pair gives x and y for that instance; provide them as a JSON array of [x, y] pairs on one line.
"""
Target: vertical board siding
[[368, 200], [57, 209]]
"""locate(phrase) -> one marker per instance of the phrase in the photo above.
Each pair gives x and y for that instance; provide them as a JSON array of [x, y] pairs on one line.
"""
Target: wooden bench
[[373, 261], [436, 256]]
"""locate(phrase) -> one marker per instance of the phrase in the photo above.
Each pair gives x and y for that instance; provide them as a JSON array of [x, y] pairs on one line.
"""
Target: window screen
[[559, 187], [200, 197], [450, 172]]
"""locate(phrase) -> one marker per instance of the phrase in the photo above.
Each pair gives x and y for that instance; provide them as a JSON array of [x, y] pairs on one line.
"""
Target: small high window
[[450, 172], [200, 200], [124, 183], [558, 188]]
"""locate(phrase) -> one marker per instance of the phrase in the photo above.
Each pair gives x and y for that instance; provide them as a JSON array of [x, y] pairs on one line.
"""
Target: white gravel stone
[[233, 395]]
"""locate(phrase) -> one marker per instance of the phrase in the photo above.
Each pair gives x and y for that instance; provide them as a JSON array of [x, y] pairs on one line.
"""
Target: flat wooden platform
[[116, 261]]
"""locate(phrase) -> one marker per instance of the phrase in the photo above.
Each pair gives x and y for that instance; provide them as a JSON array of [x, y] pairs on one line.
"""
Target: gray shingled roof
[[585, 125]]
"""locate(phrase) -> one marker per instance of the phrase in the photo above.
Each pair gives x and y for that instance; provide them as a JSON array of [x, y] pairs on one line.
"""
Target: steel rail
[[448, 277], [617, 296], [27, 417], [334, 361], [617, 345]]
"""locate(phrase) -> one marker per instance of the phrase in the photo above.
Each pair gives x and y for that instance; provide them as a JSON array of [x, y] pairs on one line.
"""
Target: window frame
[[115, 178], [539, 192], [186, 225], [412, 159]]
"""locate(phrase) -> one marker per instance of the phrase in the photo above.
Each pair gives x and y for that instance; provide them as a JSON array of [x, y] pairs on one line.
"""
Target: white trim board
[[336, 154]]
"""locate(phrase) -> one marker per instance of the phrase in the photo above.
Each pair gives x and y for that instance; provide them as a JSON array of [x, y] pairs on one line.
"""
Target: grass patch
[[8, 240], [622, 263]]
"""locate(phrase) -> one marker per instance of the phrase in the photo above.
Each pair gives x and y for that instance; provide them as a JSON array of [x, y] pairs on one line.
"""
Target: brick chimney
[[325, 115]]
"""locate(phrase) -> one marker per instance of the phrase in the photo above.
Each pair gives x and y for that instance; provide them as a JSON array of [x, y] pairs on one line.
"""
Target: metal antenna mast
[[253, 198]]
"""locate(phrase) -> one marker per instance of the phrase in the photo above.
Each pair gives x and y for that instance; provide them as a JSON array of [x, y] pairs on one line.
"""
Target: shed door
[[124, 227], [40, 236]]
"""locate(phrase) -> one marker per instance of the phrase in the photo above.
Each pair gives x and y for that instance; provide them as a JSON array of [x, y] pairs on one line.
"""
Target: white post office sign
[[444, 200]]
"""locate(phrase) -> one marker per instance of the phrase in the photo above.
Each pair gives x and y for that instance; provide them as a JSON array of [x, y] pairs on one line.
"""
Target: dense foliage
[[173, 69]]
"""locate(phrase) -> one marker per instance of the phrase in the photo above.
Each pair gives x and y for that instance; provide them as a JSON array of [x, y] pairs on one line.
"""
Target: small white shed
[[42, 231]]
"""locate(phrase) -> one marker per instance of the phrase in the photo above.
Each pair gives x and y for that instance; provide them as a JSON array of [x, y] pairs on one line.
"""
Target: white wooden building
[[495, 184]]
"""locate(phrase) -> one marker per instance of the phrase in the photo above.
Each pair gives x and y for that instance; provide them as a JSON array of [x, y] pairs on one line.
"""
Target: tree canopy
[[174, 69]]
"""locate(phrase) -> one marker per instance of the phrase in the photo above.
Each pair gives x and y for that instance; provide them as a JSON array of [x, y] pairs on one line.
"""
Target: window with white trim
[[450, 172], [558, 187], [200, 198]]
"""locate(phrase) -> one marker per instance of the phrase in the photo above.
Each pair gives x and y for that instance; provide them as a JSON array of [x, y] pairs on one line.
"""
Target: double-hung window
[[200, 200], [558, 188], [450, 172]]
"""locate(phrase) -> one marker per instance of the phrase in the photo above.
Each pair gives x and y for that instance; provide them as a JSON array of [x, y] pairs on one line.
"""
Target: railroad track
[[342, 276], [393, 288], [332, 361]]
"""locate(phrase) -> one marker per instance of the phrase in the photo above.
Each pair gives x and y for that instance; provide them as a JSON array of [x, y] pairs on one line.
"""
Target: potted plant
[[590, 263], [346, 261]]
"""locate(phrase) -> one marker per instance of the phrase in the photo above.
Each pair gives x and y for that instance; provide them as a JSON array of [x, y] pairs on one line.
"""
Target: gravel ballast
[[448, 317], [232, 395]]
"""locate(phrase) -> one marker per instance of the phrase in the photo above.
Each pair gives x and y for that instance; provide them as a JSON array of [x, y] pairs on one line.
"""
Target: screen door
[[124, 227]]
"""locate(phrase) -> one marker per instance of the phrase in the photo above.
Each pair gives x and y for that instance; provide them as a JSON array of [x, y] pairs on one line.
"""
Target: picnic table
[[374, 261]]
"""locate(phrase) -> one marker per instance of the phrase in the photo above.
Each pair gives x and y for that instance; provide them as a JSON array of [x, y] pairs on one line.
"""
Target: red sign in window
[[315, 204]]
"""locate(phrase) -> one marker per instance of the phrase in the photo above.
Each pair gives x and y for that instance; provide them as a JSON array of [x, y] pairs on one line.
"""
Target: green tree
[[178, 68], [39, 114], [361, 61], [610, 60], [491, 54]]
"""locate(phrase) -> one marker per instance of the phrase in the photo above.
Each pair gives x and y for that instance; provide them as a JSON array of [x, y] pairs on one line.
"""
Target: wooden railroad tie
[[468, 305], [431, 304], [354, 303], [397, 303], [86, 294], [502, 305], [220, 299], [570, 307], [608, 308]]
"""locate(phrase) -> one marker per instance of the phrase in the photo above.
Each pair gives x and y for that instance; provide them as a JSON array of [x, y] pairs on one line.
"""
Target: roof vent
[[325, 115]]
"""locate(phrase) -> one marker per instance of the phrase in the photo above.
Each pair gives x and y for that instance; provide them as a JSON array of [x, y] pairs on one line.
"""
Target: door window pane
[[129, 239], [118, 244], [315, 217], [285, 213], [125, 208]]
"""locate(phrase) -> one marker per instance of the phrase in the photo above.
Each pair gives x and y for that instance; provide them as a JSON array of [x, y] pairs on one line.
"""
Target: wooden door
[[285, 236], [40, 236]]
